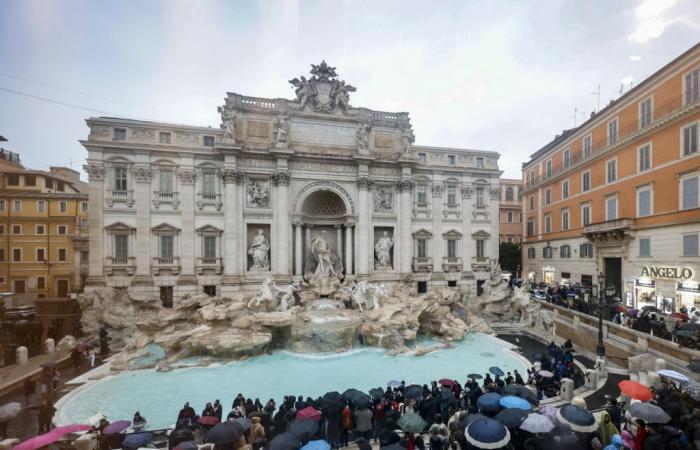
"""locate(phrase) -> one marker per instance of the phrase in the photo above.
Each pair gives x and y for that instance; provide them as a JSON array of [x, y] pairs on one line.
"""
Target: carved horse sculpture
[[363, 291], [273, 297]]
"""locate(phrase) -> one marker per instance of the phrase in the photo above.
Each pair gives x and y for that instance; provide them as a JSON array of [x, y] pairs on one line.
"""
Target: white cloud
[[635, 58], [648, 30], [653, 8]]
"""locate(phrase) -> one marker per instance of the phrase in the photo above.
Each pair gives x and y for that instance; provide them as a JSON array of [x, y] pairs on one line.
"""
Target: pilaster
[[363, 185], [96, 191], [405, 188], [437, 191], [281, 182], [142, 204], [232, 181], [187, 234]]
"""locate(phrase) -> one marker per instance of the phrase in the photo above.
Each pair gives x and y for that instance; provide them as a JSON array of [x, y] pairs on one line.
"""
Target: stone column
[[406, 188], [297, 250], [339, 240], [281, 181], [307, 242], [96, 232], [363, 185], [467, 249], [437, 190], [348, 249], [232, 180], [142, 204], [187, 234], [495, 198]]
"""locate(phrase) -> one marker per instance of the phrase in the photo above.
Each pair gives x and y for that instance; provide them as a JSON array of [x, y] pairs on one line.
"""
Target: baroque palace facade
[[180, 209], [618, 195]]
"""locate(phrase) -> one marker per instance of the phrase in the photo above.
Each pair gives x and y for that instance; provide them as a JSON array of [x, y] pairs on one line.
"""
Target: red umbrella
[[309, 413], [677, 315], [447, 382], [208, 421], [635, 390]]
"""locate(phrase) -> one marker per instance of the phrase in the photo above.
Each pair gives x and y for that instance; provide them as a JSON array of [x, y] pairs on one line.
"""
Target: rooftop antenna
[[597, 94], [575, 116]]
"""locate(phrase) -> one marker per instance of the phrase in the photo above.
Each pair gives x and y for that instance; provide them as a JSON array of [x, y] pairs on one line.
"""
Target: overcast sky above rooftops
[[491, 75]]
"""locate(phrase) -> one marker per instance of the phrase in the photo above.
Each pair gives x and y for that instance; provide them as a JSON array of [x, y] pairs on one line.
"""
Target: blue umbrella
[[487, 433], [136, 440], [496, 371], [511, 401], [489, 403], [317, 445]]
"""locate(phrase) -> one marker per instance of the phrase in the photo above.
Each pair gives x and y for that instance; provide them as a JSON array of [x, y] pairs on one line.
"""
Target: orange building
[[619, 195], [510, 211]]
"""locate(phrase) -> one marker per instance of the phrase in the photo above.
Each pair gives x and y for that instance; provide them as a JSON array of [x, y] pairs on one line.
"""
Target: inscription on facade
[[324, 134], [383, 140], [684, 273], [258, 129], [321, 167]]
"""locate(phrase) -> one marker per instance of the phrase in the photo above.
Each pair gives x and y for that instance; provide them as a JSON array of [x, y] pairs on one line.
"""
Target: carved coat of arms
[[323, 92]]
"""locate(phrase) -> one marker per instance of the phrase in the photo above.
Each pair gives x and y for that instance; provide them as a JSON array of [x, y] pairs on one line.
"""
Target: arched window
[[509, 194]]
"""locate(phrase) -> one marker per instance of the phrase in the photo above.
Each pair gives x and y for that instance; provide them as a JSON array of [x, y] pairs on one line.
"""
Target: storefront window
[[688, 295], [644, 292]]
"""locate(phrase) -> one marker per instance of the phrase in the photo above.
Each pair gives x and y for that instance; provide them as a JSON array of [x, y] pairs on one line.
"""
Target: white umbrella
[[673, 374], [545, 374], [9, 410], [537, 423]]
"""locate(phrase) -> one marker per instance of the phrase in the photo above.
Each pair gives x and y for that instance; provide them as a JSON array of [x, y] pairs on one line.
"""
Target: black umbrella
[[650, 308], [332, 404], [413, 391], [244, 422], [285, 441], [187, 445], [522, 392], [224, 433], [579, 419], [376, 393], [448, 396], [512, 417], [352, 393], [392, 414], [475, 376], [304, 429]]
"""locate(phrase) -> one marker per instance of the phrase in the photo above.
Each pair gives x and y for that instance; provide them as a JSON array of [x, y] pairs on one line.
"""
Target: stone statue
[[304, 90], [258, 194], [288, 299], [228, 123], [383, 200], [281, 129], [382, 250], [407, 139], [260, 251], [266, 295], [323, 92], [341, 93], [363, 137], [363, 291], [321, 251]]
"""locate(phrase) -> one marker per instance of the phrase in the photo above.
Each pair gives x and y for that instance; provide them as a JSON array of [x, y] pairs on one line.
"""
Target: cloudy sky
[[494, 75]]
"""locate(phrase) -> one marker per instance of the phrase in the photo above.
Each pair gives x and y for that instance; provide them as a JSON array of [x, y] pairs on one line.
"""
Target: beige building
[[510, 211]]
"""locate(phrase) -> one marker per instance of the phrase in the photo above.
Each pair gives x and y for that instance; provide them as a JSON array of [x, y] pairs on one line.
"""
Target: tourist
[[217, 409], [92, 355], [55, 378], [378, 419], [614, 410], [412, 442], [518, 378], [654, 440], [208, 410], [363, 423], [345, 425], [76, 357], [615, 443], [45, 416], [641, 434], [139, 422], [186, 414], [606, 429], [257, 437]]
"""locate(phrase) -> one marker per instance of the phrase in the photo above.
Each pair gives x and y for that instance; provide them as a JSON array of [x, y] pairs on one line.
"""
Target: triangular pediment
[[119, 226], [165, 227], [481, 234], [208, 229], [422, 234], [452, 234]]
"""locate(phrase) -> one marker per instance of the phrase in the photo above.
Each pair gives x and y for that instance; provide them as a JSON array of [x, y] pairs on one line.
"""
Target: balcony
[[120, 196], [422, 264], [422, 209], [452, 210], [610, 231], [452, 264], [120, 264], [172, 264], [213, 264], [165, 198], [481, 264], [209, 200]]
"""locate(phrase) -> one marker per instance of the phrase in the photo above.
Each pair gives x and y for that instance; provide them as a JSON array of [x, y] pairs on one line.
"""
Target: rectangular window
[[690, 139], [17, 206], [49, 183], [421, 247], [586, 181], [510, 217], [692, 86], [547, 196], [166, 246], [421, 199], [208, 141], [531, 253], [16, 229], [209, 247], [611, 208], [567, 158], [587, 146], [62, 207], [586, 250], [164, 137], [422, 157], [120, 179], [690, 245], [548, 223], [689, 194], [13, 180], [119, 134], [645, 112], [645, 247], [41, 282], [2, 205], [2, 254], [547, 252], [644, 202], [39, 229], [165, 178], [62, 255], [611, 170], [60, 186], [62, 229], [565, 219], [40, 255], [451, 160], [451, 248], [479, 162], [84, 207], [548, 168], [121, 246], [16, 255], [586, 214], [451, 198], [30, 180], [564, 252], [480, 197], [532, 202], [612, 131], [644, 157], [2, 229], [40, 206], [565, 189], [480, 248]]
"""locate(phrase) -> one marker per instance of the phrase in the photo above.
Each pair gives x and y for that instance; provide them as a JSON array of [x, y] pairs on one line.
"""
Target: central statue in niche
[[324, 269]]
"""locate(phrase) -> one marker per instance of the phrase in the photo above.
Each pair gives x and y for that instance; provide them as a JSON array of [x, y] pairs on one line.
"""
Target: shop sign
[[683, 273], [689, 286]]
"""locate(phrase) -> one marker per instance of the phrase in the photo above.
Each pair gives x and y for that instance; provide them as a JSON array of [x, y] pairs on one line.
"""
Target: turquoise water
[[159, 395]]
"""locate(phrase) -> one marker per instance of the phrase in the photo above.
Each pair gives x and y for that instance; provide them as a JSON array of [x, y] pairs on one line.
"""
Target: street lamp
[[600, 348]]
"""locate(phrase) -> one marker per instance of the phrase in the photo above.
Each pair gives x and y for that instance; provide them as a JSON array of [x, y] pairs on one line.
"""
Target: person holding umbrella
[[363, 423]]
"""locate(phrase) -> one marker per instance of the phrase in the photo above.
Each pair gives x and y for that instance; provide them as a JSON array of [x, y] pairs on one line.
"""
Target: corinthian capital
[[438, 190], [231, 176], [364, 183], [95, 172], [281, 179], [405, 185]]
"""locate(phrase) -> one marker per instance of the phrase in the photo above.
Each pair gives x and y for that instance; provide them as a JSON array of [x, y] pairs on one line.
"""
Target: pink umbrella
[[39, 441], [67, 429], [208, 420], [309, 413]]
